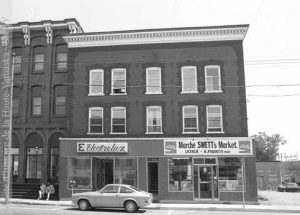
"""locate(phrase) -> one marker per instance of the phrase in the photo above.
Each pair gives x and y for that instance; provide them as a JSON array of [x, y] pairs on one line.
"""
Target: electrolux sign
[[104, 147], [198, 146]]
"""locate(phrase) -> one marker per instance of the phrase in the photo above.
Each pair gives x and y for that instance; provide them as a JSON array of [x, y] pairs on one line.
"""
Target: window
[[60, 101], [180, 174], [16, 101], [38, 59], [154, 119], [61, 58], [15, 162], [230, 174], [126, 171], [212, 79], [214, 118], [54, 163], [80, 171], [190, 119], [118, 85], [126, 190], [17, 60], [189, 79], [111, 189], [36, 101], [118, 120], [153, 80], [96, 120], [96, 82]]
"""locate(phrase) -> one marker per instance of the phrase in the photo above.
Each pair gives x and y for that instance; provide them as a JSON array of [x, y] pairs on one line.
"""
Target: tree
[[267, 147]]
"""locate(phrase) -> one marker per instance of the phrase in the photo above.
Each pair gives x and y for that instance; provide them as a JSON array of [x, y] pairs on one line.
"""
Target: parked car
[[113, 196], [289, 187]]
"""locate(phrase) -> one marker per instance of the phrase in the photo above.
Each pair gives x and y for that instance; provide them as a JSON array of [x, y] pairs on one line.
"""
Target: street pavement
[[191, 207]]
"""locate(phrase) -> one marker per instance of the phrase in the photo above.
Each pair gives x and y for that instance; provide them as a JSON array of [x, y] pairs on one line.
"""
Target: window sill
[[217, 91], [95, 133], [37, 72], [118, 133], [100, 94], [187, 92], [215, 132], [59, 116], [36, 116], [197, 132], [154, 133], [153, 93], [118, 94]]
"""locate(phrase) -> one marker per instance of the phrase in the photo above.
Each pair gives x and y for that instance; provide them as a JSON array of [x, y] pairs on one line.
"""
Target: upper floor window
[[36, 105], [190, 119], [17, 60], [16, 101], [214, 118], [153, 80], [61, 58], [212, 79], [60, 100], [95, 120], [118, 120], [189, 79], [38, 59], [118, 83], [96, 82], [154, 119]]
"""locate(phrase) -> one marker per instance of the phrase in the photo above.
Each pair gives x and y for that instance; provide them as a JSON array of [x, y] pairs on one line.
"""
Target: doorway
[[205, 182], [103, 171], [153, 177]]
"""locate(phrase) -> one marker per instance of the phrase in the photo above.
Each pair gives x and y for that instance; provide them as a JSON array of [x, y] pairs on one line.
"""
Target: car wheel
[[83, 205], [130, 206]]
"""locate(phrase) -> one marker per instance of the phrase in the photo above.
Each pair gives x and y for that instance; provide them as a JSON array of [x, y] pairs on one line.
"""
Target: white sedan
[[113, 196]]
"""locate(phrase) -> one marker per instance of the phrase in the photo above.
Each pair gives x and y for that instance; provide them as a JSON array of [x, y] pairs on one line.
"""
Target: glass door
[[205, 182]]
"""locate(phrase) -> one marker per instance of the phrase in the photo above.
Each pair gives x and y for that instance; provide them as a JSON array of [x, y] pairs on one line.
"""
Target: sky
[[271, 46]]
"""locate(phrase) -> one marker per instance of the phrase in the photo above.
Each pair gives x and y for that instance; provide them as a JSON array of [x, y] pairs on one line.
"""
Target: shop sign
[[118, 147], [211, 147]]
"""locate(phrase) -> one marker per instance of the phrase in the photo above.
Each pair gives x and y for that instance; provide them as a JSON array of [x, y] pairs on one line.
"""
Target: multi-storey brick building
[[39, 97], [164, 110]]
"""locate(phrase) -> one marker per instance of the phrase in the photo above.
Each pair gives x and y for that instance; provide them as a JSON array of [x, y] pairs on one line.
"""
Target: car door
[[108, 197]]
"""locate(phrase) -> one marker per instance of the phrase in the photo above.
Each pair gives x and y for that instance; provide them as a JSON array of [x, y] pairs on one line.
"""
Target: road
[[63, 210]]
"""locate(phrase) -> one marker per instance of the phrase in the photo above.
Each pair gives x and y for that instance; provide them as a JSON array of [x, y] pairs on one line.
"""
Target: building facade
[[163, 110], [39, 97]]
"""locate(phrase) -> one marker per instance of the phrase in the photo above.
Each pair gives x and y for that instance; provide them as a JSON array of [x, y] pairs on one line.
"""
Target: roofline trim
[[157, 36]]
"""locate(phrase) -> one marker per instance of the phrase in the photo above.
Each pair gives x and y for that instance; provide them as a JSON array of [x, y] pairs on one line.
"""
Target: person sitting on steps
[[49, 189], [42, 190]]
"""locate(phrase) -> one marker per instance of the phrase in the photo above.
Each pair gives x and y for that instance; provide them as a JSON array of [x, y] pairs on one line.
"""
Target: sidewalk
[[162, 206]]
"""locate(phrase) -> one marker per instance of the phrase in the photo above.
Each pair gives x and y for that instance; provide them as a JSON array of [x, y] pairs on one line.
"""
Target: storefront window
[[126, 171], [230, 174], [79, 170], [54, 163], [180, 175]]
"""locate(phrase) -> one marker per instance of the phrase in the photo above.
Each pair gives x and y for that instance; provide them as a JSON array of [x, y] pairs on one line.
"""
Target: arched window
[[61, 58], [39, 59], [17, 60], [60, 93], [36, 100], [16, 101]]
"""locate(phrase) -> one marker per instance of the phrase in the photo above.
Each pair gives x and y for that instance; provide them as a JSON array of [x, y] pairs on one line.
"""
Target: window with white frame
[[154, 119], [118, 120], [153, 80], [118, 83], [190, 119], [96, 82], [214, 118], [96, 120], [189, 79], [212, 79]]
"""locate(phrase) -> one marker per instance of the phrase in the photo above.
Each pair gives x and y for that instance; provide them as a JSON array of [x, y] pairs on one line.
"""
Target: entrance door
[[153, 177], [102, 172], [205, 182]]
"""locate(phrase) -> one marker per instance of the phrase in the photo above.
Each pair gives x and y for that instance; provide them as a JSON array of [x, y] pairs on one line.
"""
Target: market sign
[[207, 146], [118, 147]]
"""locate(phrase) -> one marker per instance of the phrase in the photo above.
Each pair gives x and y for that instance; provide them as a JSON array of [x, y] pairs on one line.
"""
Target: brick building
[[39, 98], [163, 110]]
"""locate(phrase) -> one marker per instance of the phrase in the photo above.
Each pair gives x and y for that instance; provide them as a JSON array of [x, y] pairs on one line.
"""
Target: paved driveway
[[279, 198]]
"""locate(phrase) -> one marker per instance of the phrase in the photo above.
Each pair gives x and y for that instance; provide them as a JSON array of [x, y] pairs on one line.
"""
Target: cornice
[[157, 36]]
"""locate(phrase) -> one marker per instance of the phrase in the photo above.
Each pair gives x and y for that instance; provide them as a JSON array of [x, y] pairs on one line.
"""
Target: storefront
[[216, 169]]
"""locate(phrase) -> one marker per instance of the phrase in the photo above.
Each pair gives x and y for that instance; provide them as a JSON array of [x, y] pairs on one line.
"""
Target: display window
[[180, 174]]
